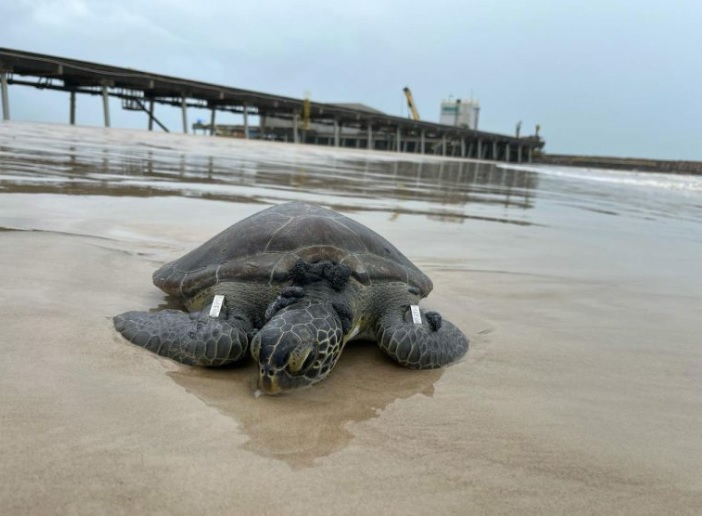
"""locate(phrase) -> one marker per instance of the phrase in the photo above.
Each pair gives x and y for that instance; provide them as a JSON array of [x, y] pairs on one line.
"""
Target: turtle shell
[[266, 245]]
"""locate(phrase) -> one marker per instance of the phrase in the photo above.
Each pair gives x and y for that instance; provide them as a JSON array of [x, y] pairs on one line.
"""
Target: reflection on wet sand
[[450, 191], [299, 427]]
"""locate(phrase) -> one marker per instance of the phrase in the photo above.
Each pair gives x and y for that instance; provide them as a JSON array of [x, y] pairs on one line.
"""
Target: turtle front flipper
[[421, 340], [190, 338]]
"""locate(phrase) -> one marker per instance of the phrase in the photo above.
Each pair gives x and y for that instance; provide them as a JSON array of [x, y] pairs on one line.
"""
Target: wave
[[679, 182]]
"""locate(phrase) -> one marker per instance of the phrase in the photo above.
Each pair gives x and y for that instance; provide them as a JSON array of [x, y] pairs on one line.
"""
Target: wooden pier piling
[[106, 105], [5, 96]]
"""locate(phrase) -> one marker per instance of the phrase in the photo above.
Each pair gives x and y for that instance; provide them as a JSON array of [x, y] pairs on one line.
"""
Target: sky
[[602, 77]]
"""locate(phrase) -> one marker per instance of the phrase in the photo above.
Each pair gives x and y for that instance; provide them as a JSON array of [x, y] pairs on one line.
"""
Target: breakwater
[[640, 164]]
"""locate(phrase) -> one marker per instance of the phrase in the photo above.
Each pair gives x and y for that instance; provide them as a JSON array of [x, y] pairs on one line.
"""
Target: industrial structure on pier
[[460, 113], [280, 118]]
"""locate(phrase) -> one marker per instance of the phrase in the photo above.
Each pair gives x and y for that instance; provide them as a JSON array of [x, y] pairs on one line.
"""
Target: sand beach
[[581, 292]]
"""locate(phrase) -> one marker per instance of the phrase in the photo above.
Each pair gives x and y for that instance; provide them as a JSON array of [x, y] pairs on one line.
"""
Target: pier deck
[[348, 126]]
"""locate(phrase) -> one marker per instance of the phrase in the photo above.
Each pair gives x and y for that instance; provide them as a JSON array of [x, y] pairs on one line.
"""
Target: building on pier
[[460, 113]]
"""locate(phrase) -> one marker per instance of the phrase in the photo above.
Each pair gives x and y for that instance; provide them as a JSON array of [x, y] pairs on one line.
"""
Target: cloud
[[105, 22]]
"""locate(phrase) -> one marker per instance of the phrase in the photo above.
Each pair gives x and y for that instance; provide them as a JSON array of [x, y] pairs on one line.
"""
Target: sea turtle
[[296, 283]]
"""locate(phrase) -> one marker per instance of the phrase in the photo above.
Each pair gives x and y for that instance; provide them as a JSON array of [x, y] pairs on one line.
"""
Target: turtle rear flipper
[[426, 344], [190, 338]]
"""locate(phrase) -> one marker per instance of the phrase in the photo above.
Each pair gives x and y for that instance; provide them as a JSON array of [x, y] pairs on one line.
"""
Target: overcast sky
[[603, 77]]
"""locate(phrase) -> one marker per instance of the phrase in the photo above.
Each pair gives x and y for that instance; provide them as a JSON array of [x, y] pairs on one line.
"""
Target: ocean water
[[579, 289], [40, 158]]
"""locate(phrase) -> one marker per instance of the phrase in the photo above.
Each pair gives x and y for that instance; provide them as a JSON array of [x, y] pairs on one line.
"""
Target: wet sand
[[581, 394]]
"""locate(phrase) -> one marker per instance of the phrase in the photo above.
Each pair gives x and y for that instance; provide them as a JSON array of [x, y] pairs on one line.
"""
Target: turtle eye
[[301, 360], [308, 361]]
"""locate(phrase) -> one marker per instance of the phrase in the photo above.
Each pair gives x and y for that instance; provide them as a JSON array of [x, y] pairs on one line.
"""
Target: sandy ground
[[581, 394]]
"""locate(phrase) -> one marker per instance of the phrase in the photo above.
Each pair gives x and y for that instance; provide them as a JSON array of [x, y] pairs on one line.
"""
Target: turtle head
[[298, 346]]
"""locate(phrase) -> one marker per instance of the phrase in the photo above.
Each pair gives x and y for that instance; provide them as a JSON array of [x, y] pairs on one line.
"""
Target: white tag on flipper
[[416, 316], [216, 305]]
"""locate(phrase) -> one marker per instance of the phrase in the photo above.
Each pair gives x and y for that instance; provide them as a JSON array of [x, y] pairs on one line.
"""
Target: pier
[[280, 118]]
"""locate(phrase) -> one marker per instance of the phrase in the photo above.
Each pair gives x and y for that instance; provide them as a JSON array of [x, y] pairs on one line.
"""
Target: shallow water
[[580, 291]]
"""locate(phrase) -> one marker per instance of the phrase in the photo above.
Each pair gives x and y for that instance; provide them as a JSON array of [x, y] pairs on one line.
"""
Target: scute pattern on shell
[[264, 246]]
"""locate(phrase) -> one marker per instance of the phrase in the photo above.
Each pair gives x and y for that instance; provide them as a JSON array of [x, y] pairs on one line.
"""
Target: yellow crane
[[306, 112], [410, 103]]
